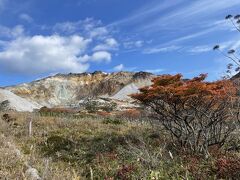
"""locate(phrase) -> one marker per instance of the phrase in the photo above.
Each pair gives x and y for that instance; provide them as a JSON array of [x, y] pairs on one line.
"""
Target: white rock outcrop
[[17, 103]]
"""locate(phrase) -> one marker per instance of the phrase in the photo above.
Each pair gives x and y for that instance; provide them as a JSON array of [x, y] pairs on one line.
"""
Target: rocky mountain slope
[[64, 90], [10, 101]]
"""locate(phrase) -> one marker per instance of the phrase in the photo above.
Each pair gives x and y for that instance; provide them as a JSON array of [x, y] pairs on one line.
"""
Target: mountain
[[10, 101], [69, 89]]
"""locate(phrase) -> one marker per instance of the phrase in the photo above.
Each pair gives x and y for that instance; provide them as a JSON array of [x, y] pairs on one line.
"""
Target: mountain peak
[[65, 89]]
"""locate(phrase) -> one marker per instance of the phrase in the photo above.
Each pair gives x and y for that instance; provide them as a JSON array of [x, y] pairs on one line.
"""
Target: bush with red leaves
[[228, 167], [125, 171], [130, 114], [195, 112], [46, 110], [104, 114]]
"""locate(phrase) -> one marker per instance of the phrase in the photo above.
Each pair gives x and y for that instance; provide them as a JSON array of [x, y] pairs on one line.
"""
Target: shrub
[[5, 106], [59, 146], [93, 106], [108, 107], [112, 121], [228, 167], [8, 118], [195, 112], [56, 111], [131, 114], [125, 171], [103, 114]]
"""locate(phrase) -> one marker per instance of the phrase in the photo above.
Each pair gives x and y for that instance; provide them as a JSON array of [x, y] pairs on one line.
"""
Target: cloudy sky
[[42, 37]]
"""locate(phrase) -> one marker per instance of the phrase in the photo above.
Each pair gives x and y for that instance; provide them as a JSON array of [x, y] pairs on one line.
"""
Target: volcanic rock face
[[10, 101], [69, 89]]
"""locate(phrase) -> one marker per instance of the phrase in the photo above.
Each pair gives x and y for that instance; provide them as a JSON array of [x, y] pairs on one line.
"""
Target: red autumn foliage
[[193, 164], [104, 114], [125, 171], [172, 89], [130, 114], [228, 167], [194, 111], [57, 110]]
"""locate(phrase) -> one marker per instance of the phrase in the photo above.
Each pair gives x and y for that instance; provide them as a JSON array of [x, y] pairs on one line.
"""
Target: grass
[[12, 166], [94, 147]]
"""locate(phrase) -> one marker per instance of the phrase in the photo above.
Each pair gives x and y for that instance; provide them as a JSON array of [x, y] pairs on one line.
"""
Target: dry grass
[[12, 165], [93, 147], [53, 165]]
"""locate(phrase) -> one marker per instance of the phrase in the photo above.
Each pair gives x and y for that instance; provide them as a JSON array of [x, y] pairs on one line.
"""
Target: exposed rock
[[32, 174], [142, 75], [69, 89], [10, 101], [123, 94]]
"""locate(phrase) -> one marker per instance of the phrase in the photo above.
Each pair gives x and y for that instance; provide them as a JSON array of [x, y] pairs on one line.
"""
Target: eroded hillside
[[71, 88]]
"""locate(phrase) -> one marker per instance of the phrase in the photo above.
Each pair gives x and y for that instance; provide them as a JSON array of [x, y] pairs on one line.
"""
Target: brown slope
[[63, 89]]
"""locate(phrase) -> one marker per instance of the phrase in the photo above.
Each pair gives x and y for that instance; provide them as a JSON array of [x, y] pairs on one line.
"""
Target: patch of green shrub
[[112, 121]]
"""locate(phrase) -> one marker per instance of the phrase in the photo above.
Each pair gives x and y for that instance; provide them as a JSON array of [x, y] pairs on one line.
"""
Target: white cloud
[[44, 54], [68, 49], [235, 45], [133, 44], [201, 49], [68, 27], [26, 17], [101, 56], [190, 13], [224, 46], [192, 19], [94, 30], [161, 49], [217, 25], [88, 27], [109, 44], [11, 32], [119, 67], [139, 43], [147, 11], [100, 31]]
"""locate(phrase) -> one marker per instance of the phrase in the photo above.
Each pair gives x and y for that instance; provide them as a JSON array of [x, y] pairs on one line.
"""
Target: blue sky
[[41, 37]]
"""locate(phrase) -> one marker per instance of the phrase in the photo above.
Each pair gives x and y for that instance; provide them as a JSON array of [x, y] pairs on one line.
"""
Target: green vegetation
[[93, 106], [186, 129], [105, 148]]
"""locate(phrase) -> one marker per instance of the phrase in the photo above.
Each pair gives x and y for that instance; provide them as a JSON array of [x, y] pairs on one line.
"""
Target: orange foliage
[[228, 168], [130, 114], [197, 113], [103, 114], [56, 110], [173, 88]]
